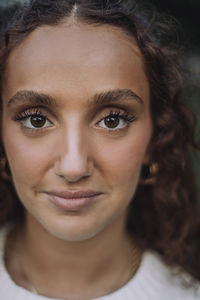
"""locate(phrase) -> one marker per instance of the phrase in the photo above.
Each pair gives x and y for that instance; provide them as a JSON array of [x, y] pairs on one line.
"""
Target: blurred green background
[[187, 12]]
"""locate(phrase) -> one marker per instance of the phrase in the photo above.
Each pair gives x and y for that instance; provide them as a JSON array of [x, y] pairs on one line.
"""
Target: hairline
[[70, 21]]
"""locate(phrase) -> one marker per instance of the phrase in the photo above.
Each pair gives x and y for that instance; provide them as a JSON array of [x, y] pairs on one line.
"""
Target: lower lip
[[74, 204]]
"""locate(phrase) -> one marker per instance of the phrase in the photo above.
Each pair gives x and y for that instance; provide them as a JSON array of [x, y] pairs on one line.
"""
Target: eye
[[116, 120], [112, 122], [36, 121], [33, 119]]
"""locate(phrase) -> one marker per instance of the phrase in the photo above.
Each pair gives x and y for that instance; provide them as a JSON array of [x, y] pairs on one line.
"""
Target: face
[[76, 126]]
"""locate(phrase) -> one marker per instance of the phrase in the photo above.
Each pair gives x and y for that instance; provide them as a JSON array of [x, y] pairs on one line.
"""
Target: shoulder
[[8, 289], [163, 282], [155, 280], [4, 282]]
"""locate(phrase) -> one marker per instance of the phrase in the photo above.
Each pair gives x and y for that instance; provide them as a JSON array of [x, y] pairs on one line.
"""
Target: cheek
[[122, 161], [27, 159]]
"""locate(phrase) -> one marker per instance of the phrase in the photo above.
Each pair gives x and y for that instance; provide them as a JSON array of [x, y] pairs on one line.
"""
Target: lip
[[73, 200]]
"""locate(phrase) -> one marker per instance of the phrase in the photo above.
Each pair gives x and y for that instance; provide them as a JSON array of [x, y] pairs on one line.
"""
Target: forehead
[[75, 54]]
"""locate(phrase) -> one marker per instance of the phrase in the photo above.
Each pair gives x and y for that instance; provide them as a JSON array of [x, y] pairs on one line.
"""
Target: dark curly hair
[[163, 216]]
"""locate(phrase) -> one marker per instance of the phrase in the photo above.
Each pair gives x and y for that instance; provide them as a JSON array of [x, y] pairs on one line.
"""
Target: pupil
[[112, 122], [38, 121]]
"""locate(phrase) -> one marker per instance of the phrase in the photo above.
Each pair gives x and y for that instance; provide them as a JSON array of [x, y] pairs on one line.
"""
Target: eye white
[[27, 123], [122, 124]]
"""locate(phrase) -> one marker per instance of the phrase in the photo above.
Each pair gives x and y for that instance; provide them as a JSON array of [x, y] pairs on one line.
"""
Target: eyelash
[[32, 112], [28, 113], [37, 112], [125, 116]]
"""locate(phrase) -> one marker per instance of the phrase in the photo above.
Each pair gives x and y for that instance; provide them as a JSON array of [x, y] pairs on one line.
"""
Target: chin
[[75, 235], [76, 232]]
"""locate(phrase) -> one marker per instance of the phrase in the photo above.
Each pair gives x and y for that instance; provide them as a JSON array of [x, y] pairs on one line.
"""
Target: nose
[[73, 162]]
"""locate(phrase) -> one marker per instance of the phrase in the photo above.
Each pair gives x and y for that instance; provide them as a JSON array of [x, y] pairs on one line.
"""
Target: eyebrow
[[32, 97], [116, 95], [106, 97]]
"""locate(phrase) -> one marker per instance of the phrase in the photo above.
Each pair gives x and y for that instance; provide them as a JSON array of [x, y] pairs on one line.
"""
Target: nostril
[[73, 178]]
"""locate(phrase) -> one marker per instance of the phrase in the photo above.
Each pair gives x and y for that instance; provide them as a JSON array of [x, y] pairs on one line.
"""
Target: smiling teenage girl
[[89, 98]]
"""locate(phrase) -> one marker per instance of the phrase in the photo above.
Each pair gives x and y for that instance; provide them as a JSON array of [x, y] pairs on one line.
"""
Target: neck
[[103, 263]]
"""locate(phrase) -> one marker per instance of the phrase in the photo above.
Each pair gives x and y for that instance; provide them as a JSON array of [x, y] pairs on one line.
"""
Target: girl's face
[[76, 118]]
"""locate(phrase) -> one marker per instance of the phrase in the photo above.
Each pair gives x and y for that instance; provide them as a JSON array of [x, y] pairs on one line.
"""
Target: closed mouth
[[73, 200], [72, 194]]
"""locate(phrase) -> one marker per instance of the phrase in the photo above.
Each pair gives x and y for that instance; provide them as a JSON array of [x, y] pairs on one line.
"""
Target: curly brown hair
[[163, 216]]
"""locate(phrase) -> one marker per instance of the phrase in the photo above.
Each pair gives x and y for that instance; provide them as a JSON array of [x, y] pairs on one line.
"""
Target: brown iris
[[38, 121], [111, 121]]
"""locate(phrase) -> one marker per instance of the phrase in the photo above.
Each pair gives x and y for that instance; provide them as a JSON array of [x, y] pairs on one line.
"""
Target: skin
[[75, 151]]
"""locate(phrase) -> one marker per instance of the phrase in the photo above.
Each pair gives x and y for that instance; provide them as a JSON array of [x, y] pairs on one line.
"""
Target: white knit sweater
[[153, 281]]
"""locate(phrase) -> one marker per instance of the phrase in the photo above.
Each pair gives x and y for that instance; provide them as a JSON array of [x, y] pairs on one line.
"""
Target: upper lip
[[74, 194]]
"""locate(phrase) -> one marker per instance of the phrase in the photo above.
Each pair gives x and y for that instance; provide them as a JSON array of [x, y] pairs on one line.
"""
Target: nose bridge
[[73, 159], [73, 144]]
